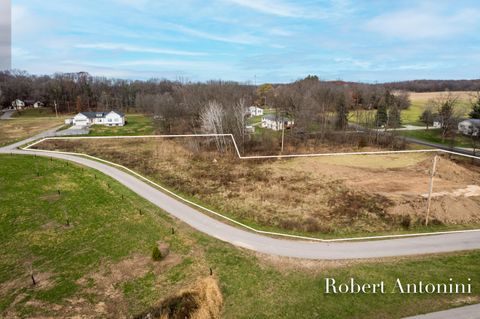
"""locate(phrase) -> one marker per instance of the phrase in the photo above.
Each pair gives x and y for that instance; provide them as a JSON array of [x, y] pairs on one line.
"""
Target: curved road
[[263, 244]]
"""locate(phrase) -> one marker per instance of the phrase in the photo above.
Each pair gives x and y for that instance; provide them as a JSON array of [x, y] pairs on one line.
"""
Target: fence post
[[430, 189]]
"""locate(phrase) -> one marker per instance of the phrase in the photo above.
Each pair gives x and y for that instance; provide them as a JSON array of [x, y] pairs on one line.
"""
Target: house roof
[[475, 122], [119, 113], [93, 115]]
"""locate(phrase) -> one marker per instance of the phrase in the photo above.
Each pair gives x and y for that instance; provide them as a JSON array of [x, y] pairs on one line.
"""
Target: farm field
[[326, 197], [420, 100], [21, 128], [137, 124], [98, 265]]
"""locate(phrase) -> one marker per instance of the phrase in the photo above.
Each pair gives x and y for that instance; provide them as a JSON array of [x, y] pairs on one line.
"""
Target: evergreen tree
[[427, 117], [381, 117], [341, 122], [394, 117], [475, 113]]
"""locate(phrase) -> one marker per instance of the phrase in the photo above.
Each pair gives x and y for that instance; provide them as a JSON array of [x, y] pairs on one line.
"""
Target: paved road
[[7, 115], [281, 247], [467, 312], [422, 142]]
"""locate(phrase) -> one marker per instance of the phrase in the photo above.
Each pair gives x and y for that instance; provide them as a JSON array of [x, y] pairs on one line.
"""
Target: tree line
[[318, 108]]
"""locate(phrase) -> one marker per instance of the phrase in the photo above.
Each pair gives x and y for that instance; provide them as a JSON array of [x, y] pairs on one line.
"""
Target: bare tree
[[212, 122], [238, 114], [447, 112]]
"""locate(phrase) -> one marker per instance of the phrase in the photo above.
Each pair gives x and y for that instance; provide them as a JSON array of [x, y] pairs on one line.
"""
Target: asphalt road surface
[[6, 115], [467, 312]]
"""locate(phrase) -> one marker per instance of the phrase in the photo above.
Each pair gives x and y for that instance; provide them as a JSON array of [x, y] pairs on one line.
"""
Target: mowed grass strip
[[106, 228]]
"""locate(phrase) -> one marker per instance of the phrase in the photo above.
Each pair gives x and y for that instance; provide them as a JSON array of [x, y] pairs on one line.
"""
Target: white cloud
[[237, 38], [423, 23], [271, 7], [133, 48], [322, 10]]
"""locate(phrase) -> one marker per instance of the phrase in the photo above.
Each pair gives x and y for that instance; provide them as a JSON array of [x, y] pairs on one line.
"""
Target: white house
[[18, 104], [112, 118], [469, 127], [275, 123], [255, 111], [38, 105]]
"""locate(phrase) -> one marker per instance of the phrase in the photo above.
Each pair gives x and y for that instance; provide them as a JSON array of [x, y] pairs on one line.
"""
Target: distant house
[[18, 104], [112, 118], [249, 129], [275, 123], [469, 127], [38, 105], [255, 111]]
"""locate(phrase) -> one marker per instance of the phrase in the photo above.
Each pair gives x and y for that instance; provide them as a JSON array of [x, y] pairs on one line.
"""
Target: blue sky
[[274, 41]]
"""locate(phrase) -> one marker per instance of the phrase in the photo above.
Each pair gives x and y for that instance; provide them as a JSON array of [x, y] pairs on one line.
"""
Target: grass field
[[435, 136], [36, 113], [420, 100], [137, 124], [21, 128], [325, 197], [99, 266]]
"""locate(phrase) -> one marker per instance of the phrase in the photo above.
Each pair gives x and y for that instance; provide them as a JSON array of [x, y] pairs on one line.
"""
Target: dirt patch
[[106, 282], [51, 198], [345, 194], [202, 300]]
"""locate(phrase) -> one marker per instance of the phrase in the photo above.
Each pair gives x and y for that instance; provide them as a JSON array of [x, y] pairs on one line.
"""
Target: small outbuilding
[[255, 111]]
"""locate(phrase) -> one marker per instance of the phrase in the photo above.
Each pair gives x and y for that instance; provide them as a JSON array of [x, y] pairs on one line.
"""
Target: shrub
[[156, 254]]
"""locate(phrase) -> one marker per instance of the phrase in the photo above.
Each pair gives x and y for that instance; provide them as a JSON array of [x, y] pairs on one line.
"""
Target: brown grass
[[316, 195], [202, 300], [463, 95], [18, 129]]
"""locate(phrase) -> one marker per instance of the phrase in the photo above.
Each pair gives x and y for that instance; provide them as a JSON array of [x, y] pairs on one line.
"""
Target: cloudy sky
[[270, 40]]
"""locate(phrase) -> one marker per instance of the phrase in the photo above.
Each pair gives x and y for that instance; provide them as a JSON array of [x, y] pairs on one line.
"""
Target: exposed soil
[[321, 194]]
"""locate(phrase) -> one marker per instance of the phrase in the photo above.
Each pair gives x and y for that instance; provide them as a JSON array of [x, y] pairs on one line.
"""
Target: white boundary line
[[27, 148]]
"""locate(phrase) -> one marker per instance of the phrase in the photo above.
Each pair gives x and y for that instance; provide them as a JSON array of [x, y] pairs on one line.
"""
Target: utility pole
[[283, 134], [55, 104], [429, 202]]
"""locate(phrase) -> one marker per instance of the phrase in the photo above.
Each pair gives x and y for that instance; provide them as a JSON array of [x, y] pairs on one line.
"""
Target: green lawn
[[137, 124], [435, 136], [44, 112], [106, 227], [412, 114]]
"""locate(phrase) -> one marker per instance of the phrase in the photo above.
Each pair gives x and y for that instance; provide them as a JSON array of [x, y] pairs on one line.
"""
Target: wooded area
[[321, 109]]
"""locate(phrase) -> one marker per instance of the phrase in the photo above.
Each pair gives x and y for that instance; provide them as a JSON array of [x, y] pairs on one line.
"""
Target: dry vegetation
[[425, 96], [17, 129], [328, 195]]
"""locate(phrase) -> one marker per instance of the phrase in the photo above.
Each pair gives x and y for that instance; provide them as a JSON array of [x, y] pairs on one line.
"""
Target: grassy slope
[[137, 124], [107, 229]]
